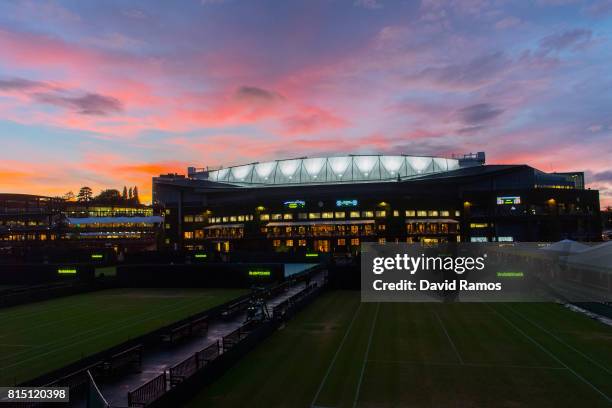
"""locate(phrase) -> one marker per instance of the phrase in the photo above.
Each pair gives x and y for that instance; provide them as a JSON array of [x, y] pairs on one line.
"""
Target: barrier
[[148, 392], [183, 370], [233, 309], [199, 325], [240, 333], [188, 367], [129, 358], [177, 333], [208, 354]]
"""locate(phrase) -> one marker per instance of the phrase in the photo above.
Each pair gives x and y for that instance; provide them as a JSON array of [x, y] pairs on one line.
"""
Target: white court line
[[365, 357], [475, 365], [331, 364], [450, 340], [16, 345], [560, 340], [549, 353]]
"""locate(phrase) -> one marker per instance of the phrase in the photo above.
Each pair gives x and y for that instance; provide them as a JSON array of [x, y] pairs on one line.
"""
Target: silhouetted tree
[[124, 195], [85, 194], [135, 195], [69, 196], [130, 196], [110, 196]]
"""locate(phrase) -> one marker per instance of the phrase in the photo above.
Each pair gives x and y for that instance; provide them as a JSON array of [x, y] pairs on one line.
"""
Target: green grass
[[43, 336], [341, 353]]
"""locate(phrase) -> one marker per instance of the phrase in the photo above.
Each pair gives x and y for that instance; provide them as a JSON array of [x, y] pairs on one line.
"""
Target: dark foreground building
[[332, 204]]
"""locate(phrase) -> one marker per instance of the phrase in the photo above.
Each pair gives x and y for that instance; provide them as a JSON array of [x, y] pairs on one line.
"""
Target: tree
[[135, 195], [69, 196], [110, 196], [124, 195], [130, 196], [85, 194]]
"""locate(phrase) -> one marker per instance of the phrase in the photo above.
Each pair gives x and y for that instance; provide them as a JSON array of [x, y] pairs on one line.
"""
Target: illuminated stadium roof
[[336, 169]]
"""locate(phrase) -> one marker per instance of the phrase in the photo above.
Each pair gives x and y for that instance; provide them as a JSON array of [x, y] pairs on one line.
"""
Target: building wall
[[459, 209]]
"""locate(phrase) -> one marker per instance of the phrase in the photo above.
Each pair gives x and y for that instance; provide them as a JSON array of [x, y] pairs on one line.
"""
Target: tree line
[[108, 196]]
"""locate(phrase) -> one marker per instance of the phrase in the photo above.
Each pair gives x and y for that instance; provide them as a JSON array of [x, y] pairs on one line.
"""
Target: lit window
[[478, 239], [314, 216], [444, 213], [505, 239], [167, 211], [341, 242], [289, 242], [232, 218], [457, 213], [395, 213], [188, 234], [302, 216], [432, 213], [410, 213], [264, 217], [224, 219], [199, 234], [354, 214], [340, 214], [382, 240], [199, 218], [188, 218], [167, 226], [421, 213], [276, 243], [277, 217], [367, 214], [287, 216], [382, 227], [302, 242], [241, 218], [381, 214], [328, 215], [355, 242]]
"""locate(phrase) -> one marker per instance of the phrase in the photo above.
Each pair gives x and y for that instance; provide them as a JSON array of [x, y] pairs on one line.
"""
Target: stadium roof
[[334, 169]]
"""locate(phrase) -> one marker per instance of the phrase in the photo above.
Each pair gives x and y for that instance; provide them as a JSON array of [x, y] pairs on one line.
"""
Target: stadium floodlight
[[339, 165], [365, 164], [313, 166], [419, 163], [241, 172], [289, 167], [264, 170], [392, 163]]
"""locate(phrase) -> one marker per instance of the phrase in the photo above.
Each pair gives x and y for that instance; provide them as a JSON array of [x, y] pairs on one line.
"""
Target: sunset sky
[[108, 93]]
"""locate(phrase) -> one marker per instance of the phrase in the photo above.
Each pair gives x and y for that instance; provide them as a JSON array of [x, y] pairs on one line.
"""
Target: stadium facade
[[332, 204]]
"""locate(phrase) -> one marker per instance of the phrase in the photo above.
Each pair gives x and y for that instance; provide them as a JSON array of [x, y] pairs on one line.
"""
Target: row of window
[[320, 215], [356, 214], [302, 242]]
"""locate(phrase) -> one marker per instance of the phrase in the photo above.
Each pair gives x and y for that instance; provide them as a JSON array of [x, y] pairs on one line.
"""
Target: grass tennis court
[[341, 353], [43, 336]]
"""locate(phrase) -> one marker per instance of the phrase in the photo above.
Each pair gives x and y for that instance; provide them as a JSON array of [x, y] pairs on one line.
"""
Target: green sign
[[295, 204], [260, 273], [312, 255], [201, 256], [97, 256], [510, 274], [67, 271]]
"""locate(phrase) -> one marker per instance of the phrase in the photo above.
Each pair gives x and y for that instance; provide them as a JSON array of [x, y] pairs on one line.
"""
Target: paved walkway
[[157, 360]]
